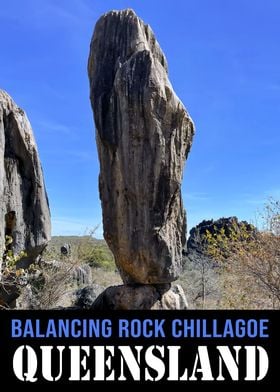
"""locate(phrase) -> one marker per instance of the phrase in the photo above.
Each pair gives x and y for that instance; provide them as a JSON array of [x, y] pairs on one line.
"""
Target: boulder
[[24, 208], [144, 135], [82, 274], [141, 297], [86, 296], [65, 250]]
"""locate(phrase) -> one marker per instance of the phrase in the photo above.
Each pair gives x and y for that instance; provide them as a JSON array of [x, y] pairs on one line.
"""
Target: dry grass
[[105, 278]]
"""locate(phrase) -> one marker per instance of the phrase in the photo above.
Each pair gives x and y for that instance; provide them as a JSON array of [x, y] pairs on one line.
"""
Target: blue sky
[[224, 64]]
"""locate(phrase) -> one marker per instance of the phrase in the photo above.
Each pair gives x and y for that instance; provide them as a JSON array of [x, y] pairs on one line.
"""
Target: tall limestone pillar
[[24, 207], [144, 135]]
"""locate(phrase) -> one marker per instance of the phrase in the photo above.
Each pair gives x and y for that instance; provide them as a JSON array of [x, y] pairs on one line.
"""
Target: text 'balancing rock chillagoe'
[[143, 134]]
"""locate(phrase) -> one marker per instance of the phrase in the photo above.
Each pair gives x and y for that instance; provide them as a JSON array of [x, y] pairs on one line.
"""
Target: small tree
[[12, 279]]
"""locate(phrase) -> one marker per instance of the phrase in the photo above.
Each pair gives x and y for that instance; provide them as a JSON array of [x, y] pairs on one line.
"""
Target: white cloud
[[48, 13], [260, 199], [72, 226], [196, 196], [55, 127]]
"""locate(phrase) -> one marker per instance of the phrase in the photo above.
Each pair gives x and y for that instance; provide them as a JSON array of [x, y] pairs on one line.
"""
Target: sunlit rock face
[[143, 135]]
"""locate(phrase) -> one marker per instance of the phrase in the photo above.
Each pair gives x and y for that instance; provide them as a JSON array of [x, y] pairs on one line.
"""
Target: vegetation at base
[[229, 265], [237, 268], [84, 250], [12, 279]]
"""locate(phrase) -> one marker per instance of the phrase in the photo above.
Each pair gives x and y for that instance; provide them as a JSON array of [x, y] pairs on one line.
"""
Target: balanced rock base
[[141, 297]]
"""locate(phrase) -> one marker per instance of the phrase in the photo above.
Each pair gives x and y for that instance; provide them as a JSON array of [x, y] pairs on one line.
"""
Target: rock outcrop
[[24, 209], [82, 274], [141, 297], [86, 296], [232, 228], [143, 135]]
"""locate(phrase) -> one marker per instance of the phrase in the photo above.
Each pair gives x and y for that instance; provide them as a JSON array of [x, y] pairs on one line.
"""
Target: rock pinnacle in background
[[24, 209], [143, 135]]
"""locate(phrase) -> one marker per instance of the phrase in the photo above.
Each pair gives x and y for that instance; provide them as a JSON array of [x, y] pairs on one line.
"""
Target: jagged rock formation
[[141, 297], [211, 261], [82, 274], [79, 274], [24, 209], [86, 296], [231, 227], [198, 247], [144, 134]]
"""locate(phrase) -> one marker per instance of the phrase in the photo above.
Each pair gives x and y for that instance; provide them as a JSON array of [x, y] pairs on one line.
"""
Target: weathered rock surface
[[144, 134], [82, 274], [86, 296], [24, 209], [141, 297]]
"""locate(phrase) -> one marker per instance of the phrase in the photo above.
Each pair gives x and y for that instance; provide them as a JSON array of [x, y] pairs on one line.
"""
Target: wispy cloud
[[48, 126], [72, 226], [208, 169], [275, 193], [84, 156], [261, 199], [69, 154], [49, 13], [196, 196], [254, 200], [274, 87]]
